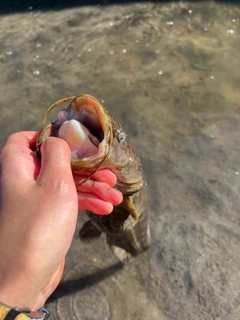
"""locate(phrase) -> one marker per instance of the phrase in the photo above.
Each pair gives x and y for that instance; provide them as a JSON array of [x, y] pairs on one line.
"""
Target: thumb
[[55, 161]]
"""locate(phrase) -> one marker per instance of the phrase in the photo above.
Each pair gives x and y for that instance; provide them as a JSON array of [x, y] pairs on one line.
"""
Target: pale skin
[[39, 205]]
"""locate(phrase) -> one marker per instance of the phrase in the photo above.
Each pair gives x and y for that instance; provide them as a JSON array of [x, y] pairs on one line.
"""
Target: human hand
[[38, 213], [97, 194]]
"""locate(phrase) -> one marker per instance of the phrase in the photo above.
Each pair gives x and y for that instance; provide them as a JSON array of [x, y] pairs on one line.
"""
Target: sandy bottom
[[170, 73]]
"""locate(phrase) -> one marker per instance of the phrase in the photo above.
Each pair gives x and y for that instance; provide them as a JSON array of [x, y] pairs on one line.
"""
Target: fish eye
[[121, 137]]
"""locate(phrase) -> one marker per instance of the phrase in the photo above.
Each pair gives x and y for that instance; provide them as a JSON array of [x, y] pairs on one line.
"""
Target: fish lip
[[93, 107], [89, 108]]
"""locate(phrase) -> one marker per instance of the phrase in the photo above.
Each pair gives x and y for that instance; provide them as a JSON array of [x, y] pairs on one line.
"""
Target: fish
[[97, 141]]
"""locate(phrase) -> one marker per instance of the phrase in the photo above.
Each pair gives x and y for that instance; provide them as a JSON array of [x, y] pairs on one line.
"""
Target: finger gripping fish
[[97, 140]]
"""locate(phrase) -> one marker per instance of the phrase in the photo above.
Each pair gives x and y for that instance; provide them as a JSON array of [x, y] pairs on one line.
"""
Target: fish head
[[96, 140], [85, 126]]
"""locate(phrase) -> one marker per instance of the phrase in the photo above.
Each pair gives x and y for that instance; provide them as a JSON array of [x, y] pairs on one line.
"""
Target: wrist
[[22, 298], [6, 312], [18, 290]]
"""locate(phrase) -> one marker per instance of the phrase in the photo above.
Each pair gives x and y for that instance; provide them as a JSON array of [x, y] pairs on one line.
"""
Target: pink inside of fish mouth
[[81, 130]]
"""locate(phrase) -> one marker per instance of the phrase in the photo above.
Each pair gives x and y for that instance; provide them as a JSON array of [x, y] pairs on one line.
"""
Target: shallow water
[[169, 72]]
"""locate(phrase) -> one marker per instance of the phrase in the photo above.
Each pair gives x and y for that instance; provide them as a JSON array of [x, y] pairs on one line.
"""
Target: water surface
[[169, 72]]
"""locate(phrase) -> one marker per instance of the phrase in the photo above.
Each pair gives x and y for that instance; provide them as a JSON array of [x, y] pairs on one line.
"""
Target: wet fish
[[97, 141]]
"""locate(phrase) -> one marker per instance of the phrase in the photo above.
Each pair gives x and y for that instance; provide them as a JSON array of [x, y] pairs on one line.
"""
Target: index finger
[[24, 138], [102, 175]]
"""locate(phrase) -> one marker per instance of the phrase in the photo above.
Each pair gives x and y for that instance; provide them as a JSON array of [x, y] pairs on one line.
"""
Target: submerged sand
[[170, 73]]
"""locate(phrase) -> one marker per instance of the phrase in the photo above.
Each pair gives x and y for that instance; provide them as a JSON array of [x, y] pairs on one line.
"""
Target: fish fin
[[121, 254], [89, 233], [129, 204], [135, 237]]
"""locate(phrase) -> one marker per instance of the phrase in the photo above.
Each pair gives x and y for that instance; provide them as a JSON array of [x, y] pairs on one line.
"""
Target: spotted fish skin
[[127, 227], [126, 237]]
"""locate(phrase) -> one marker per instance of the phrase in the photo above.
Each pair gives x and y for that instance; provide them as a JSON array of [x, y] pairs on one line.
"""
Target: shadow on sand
[[68, 287]]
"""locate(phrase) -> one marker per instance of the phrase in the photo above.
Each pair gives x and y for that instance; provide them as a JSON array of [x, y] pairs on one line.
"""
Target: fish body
[[127, 227]]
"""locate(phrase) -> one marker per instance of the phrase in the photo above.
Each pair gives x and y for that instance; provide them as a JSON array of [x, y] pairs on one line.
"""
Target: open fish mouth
[[84, 125], [81, 130], [81, 141]]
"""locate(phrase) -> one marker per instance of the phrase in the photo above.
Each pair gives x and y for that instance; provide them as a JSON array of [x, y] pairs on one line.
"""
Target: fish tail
[[132, 242]]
